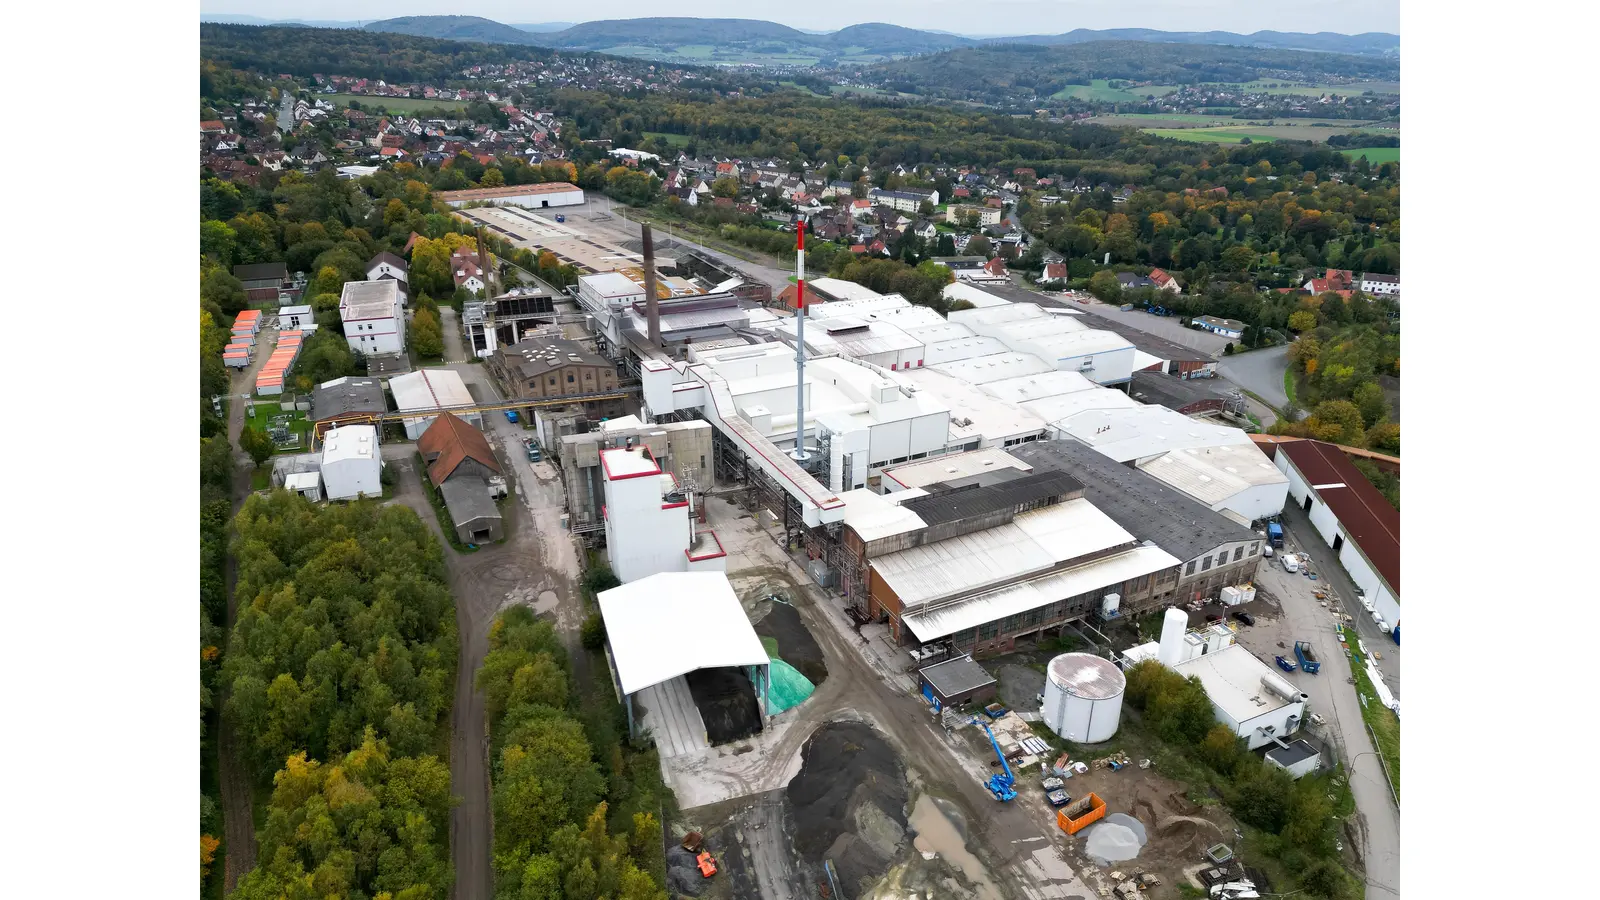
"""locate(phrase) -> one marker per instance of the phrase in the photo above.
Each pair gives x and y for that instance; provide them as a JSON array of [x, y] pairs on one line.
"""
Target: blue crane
[[1000, 785]]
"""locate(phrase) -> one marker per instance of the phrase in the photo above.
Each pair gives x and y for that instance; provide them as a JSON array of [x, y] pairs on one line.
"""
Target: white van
[[1290, 563]]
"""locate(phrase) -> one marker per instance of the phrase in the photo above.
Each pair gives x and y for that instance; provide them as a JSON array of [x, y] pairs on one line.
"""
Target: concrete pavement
[[1302, 536], [1260, 372], [1333, 696]]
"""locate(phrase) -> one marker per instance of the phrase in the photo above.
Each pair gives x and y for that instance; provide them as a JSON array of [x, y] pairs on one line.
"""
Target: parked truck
[[1275, 534], [1308, 658]]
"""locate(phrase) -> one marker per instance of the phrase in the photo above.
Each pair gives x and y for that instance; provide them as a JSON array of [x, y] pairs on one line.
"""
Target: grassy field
[[673, 140], [1375, 155], [301, 425], [1100, 90], [1382, 720], [398, 104], [1278, 130]]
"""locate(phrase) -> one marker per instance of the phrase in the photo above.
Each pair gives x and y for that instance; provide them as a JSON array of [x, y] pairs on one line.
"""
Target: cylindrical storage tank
[[1173, 626], [1083, 697]]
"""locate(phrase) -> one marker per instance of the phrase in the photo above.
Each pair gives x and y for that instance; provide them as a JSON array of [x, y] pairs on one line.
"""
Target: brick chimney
[[652, 303]]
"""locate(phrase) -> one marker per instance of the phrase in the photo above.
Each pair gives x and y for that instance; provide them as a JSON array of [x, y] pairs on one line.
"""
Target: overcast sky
[[972, 17]]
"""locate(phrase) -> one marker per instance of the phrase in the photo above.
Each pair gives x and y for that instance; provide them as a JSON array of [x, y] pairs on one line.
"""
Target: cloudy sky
[[970, 17]]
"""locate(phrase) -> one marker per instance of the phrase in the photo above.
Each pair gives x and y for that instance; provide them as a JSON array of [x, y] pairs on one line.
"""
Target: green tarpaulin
[[788, 689]]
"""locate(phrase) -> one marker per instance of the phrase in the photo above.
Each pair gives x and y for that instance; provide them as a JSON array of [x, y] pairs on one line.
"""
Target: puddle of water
[[1119, 837], [937, 834]]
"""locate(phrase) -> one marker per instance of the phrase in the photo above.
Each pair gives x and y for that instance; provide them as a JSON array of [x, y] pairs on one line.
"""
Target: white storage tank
[[1083, 697]]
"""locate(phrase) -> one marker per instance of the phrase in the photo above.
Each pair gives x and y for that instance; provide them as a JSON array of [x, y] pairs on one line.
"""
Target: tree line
[[1296, 818], [340, 673]]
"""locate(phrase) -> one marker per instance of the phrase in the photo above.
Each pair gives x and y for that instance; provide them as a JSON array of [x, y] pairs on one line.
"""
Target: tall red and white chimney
[[799, 452]]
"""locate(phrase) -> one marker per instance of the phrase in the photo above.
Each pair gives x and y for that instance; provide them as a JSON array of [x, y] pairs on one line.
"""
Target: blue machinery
[[1000, 785]]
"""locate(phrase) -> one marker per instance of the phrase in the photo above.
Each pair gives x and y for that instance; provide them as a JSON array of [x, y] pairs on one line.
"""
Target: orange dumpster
[[1077, 816]]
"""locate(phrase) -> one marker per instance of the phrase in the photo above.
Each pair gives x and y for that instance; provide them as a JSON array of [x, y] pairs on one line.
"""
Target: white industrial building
[[1083, 697], [423, 393], [534, 196], [1064, 342], [1246, 694], [979, 298], [351, 465], [373, 316], [291, 317], [663, 627], [1350, 515], [649, 520], [877, 342]]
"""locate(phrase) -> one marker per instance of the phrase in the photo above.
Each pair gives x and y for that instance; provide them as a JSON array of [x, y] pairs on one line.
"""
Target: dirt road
[[537, 567], [238, 820], [1020, 848]]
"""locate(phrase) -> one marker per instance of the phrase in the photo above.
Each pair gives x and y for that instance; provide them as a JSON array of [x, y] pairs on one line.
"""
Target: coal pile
[[727, 702], [796, 646], [683, 873], [849, 803]]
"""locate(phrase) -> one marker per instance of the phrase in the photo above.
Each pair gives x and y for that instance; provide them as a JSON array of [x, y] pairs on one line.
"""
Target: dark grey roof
[[972, 500], [1142, 505], [344, 396], [954, 677], [1296, 752], [261, 271], [385, 256], [536, 356], [1174, 392], [467, 499]]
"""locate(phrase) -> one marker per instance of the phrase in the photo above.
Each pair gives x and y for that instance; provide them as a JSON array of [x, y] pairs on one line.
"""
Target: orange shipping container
[[1088, 811]]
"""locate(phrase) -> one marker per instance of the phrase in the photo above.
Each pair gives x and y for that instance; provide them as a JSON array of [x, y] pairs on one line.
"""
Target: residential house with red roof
[[1161, 279]]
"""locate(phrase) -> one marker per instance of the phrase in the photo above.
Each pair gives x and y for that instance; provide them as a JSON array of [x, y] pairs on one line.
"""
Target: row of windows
[[1221, 559]]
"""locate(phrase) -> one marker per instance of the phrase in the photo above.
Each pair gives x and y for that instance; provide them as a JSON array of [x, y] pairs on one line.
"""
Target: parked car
[[1244, 617], [1290, 563], [560, 217]]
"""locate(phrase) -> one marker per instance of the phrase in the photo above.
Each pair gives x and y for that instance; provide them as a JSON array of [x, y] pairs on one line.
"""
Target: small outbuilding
[[475, 518], [956, 682], [1298, 758]]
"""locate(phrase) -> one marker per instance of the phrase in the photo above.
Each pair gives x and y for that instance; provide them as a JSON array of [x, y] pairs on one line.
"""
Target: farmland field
[[1102, 91], [673, 140], [1375, 155], [1235, 129], [398, 104], [1161, 120]]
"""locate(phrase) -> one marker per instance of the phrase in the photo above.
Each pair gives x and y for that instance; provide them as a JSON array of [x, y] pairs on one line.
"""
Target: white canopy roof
[[673, 623]]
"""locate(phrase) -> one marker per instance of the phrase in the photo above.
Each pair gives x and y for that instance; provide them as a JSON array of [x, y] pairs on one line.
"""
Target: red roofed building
[[1332, 280], [1350, 515], [1054, 273], [1164, 281], [212, 126], [996, 267]]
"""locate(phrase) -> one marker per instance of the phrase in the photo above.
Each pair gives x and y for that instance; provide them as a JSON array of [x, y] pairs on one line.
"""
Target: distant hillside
[[541, 27], [454, 28], [1001, 73], [1373, 43], [232, 19], [692, 40]]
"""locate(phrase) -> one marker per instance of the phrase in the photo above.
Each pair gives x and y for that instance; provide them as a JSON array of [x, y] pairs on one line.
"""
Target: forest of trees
[[557, 833], [341, 670], [1002, 73]]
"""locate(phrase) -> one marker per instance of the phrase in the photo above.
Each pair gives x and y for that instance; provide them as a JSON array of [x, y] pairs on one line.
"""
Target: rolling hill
[[724, 39], [1004, 73], [454, 28]]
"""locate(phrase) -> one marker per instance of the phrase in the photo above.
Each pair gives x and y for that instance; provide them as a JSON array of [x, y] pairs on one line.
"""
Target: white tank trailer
[[1083, 697]]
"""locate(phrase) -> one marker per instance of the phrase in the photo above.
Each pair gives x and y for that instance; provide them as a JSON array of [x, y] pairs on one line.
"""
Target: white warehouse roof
[[843, 290], [980, 299], [1232, 679], [427, 389], [349, 442], [956, 465], [1213, 474], [1145, 431], [673, 623], [612, 284], [958, 348], [1032, 542], [1106, 573], [996, 366], [875, 516], [1038, 387]]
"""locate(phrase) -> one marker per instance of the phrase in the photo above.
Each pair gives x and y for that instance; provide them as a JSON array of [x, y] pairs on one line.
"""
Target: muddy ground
[[781, 622]]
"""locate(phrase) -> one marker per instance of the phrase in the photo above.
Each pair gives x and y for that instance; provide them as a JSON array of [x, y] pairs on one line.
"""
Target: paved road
[[455, 342], [1303, 537], [1260, 372], [1333, 696]]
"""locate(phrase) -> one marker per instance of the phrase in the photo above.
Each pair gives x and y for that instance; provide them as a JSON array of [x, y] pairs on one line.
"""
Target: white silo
[[1083, 697], [1173, 626]]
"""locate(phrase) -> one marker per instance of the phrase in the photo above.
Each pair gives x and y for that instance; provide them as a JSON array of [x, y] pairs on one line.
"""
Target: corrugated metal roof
[[949, 506], [673, 623], [1365, 514], [1108, 574], [1213, 474], [1232, 679], [961, 564], [873, 516], [1073, 529], [955, 465], [1038, 387], [996, 366]]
